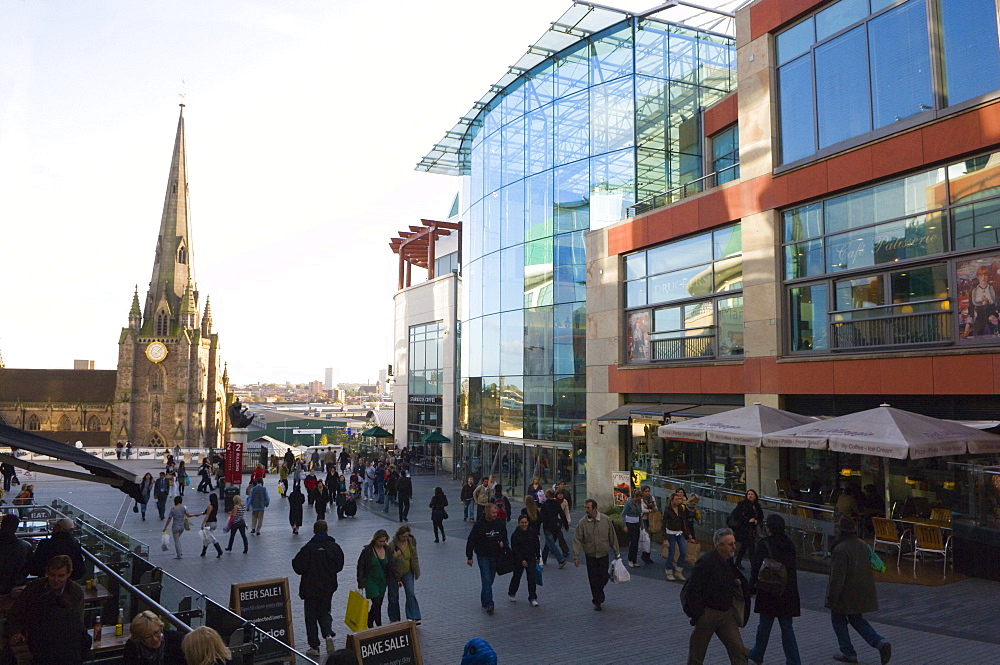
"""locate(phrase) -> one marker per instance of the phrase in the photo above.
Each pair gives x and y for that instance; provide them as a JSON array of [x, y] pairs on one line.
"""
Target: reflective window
[[796, 110], [808, 315], [900, 64], [843, 104], [726, 154], [971, 57], [425, 359]]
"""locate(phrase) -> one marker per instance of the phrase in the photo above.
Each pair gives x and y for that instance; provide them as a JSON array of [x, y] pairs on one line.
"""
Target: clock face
[[156, 351]]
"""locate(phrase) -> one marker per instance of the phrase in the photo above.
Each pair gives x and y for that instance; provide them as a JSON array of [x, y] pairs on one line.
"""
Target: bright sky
[[304, 121]]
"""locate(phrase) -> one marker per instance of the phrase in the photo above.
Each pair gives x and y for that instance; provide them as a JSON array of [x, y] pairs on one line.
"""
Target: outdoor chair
[[809, 534], [885, 534], [783, 486], [930, 539], [941, 514]]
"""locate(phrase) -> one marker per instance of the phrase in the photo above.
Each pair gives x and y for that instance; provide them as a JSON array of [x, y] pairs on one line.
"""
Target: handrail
[[910, 303], [135, 590], [668, 196]]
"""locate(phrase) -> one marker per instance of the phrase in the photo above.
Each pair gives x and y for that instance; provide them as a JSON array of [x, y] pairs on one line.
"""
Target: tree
[[324, 440]]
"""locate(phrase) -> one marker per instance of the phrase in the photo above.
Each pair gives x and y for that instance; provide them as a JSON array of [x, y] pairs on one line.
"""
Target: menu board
[[395, 644], [267, 604]]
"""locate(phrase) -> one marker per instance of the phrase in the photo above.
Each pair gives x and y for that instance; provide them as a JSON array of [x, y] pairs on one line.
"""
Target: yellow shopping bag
[[356, 617]]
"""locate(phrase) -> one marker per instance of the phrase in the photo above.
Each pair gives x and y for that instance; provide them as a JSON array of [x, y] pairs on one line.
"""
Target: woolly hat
[[847, 525], [479, 652]]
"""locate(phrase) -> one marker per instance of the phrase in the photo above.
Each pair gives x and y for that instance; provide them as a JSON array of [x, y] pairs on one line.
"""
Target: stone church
[[170, 387]]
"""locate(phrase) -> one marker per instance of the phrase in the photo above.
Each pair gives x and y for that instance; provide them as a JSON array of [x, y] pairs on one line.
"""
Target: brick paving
[[642, 620]]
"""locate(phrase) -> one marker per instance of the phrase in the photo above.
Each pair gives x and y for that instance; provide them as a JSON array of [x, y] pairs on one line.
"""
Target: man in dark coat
[[48, 615], [318, 562], [850, 593], [487, 538], [717, 598], [404, 492], [60, 542], [161, 490], [14, 555], [781, 606]]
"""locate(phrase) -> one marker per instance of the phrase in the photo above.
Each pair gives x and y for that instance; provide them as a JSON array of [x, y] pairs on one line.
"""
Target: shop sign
[[267, 604], [395, 644], [424, 399], [234, 462]]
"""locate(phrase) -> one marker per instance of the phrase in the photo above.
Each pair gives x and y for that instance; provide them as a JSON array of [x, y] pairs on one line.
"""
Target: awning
[[101, 471], [704, 410], [649, 411]]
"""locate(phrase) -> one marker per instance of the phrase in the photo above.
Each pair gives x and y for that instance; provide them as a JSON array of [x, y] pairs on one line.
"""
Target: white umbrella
[[744, 427], [887, 432]]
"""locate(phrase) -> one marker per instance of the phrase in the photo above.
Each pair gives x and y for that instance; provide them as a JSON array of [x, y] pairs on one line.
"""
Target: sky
[[304, 121]]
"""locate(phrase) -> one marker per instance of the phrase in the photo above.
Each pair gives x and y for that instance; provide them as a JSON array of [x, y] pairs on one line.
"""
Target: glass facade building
[[563, 148]]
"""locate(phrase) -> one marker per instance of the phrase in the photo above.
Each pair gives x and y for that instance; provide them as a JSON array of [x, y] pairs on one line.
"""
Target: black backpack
[[686, 599], [773, 576]]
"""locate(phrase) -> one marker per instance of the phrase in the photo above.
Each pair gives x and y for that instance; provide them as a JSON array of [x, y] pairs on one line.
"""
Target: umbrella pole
[[885, 473], [760, 476]]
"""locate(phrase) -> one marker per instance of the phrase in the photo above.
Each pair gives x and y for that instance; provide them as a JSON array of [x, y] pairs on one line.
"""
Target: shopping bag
[[875, 560], [505, 561], [165, 542], [619, 574], [693, 552], [135, 507], [655, 525], [206, 537], [187, 523], [229, 524], [356, 617], [644, 546], [538, 575]]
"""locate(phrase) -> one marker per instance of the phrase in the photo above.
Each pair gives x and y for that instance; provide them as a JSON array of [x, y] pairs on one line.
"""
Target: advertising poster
[[234, 462], [622, 489], [637, 336], [976, 285]]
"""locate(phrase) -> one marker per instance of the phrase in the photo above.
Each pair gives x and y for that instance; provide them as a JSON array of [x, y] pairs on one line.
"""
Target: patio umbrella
[[377, 432], [744, 427], [435, 437], [887, 432]]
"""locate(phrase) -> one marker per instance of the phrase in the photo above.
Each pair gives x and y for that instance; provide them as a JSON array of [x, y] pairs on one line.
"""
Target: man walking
[[161, 490], [481, 496], [595, 538], [404, 491], [318, 562], [850, 593], [717, 598], [488, 538], [259, 500], [368, 487]]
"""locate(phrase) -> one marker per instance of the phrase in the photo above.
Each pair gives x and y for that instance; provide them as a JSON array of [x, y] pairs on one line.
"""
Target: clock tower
[[170, 389]]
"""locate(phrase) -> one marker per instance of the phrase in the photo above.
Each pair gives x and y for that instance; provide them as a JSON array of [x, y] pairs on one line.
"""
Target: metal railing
[[883, 326], [679, 348], [675, 194]]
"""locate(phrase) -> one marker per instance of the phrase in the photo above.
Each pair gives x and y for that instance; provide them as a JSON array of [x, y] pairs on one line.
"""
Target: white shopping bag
[[165, 542], [206, 537], [619, 574], [644, 541]]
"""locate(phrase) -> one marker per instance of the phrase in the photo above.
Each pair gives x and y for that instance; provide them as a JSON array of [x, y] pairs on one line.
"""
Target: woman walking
[[295, 501], [182, 478], [524, 545], [209, 524], [376, 569], [677, 532], [145, 490], [321, 501], [237, 522], [341, 496], [404, 551], [438, 514], [744, 520], [632, 516], [175, 522], [553, 521], [773, 603]]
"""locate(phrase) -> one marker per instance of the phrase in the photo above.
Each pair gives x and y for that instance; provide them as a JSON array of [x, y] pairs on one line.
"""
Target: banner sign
[[395, 644], [234, 462], [622, 489], [267, 604], [307, 431]]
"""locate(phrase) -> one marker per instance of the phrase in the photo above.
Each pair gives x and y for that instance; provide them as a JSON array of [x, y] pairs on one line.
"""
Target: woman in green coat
[[376, 570]]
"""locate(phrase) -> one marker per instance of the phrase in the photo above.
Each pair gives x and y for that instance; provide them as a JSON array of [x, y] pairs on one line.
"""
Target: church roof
[[95, 386]]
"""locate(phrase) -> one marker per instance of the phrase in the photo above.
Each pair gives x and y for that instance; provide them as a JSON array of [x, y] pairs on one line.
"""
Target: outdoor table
[[96, 595], [109, 640], [941, 524]]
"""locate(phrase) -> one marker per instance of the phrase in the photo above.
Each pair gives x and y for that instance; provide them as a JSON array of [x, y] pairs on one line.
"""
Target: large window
[[684, 298], [857, 66], [425, 380], [726, 155], [879, 267]]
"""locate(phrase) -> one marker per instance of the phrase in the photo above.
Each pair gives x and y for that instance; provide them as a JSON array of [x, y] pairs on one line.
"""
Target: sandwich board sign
[[395, 644], [266, 604]]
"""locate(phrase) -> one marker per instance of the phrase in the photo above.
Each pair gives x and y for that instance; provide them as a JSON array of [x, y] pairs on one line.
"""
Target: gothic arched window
[[155, 440], [93, 424], [157, 377], [33, 424], [162, 324], [182, 255], [64, 425]]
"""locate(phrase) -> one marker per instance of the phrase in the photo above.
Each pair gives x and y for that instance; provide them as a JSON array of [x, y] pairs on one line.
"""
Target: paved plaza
[[642, 621]]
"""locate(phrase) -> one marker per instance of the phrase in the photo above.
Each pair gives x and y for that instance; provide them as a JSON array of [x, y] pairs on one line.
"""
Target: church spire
[[188, 315], [206, 319], [135, 314], [173, 274]]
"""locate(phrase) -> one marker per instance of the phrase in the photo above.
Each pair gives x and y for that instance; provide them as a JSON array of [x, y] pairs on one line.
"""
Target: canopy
[[274, 447], [435, 437], [744, 427], [100, 470], [377, 432], [887, 432]]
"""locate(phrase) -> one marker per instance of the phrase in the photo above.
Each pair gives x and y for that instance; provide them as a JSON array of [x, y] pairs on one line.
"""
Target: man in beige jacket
[[595, 537]]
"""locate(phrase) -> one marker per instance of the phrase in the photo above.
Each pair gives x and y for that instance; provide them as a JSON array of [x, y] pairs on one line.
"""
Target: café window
[[893, 266], [684, 299]]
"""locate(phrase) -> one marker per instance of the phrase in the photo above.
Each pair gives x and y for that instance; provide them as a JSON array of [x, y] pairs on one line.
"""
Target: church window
[[93, 424], [156, 379], [64, 425], [182, 255], [162, 324], [155, 440], [33, 424]]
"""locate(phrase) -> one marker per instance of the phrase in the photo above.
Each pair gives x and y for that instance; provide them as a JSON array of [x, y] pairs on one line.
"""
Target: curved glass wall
[[564, 149]]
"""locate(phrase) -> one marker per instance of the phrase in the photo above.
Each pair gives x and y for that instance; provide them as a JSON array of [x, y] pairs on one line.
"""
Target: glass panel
[[849, 211], [838, 16], [908, 196], [694, 250], [571, 407], [571, 209], [491, 344], [977, 225], [538, 341], [635, 265], [612, 187], [795, 41], [538, 400], [512, 343], [843, 102], [512, 279], [511, 417], [637, 337], [682, 58], [492, 162], [491, 222], [538, 140], [474, 285], [699, 315], [572, 71], [612, 114], [730, 317], [538, 89], [729, 274], [651, 53], [796, 111], [491, 411], [570, 271], [895, 241], [666, 319], [513, 151], [717, 68], [725, 151], [808, 313], [651, 112], [687, 283], [727, 241], [538, 273], [491, 283], [803, 222], [804, 259], [917, 284], [900, 63], [512, 215], [571, 119], [612, 56], [860, 292], [512, 105], [650, 173], [635, 293], [569, 354], [974, 179], [538, 218], [472, 334], [971, 51]]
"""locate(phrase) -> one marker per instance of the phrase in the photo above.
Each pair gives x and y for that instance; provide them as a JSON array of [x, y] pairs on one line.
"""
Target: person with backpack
[[502, 504], [318, 563], [773, 579], [553, 521]]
